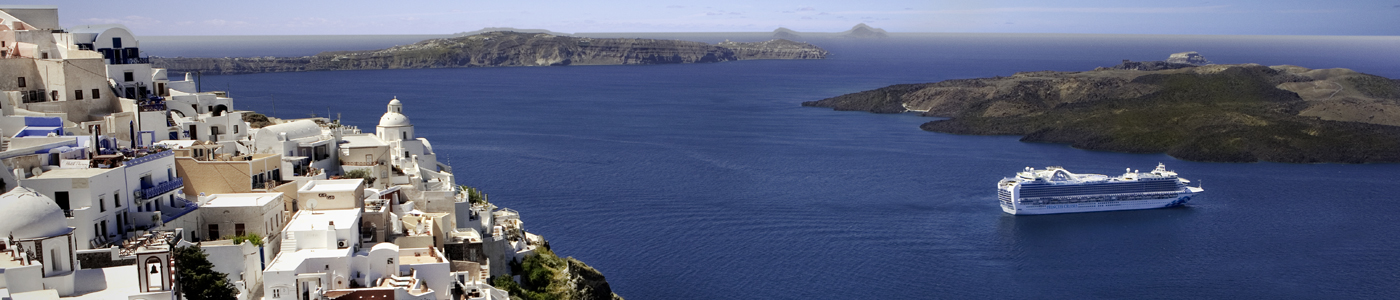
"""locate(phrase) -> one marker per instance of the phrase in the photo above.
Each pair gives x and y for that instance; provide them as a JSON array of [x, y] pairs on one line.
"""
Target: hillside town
[[110, 166]]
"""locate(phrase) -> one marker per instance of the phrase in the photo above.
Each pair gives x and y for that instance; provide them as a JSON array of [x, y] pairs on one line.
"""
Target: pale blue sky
[[262, 17]]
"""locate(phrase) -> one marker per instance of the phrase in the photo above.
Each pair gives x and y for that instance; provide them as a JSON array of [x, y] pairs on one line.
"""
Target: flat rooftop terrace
[[72, 173], [361, 141], [335, 185], [321, 219], [241, 199], [408, 257]]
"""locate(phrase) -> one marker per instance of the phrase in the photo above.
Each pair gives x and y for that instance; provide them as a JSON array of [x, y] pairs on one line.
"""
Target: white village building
[[108, 149], [39, 246]]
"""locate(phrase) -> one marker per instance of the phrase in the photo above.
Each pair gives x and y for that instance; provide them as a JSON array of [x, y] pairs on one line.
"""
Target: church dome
[[393, 119], [394, 116], [29, 214]]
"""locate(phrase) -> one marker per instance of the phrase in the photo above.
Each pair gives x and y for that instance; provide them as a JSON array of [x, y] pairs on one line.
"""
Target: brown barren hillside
[[1225, 113]]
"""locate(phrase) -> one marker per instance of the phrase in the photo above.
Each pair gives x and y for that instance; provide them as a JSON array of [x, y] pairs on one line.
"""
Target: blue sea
[[710, 181]]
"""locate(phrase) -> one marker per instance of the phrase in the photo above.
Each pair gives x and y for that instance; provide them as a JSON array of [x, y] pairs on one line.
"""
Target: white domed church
[[412, 154], [38, 244], [394, 126]]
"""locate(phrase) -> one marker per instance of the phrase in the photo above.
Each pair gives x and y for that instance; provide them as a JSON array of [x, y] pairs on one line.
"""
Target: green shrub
[[360, 173]]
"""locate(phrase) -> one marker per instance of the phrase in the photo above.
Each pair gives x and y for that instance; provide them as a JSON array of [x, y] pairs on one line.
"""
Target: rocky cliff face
[[233, 65], [774, 49], [494, 49], [588, 282], [1232, 113]]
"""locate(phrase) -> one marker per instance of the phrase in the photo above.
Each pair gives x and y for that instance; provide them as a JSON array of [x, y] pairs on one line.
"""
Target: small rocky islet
[[1183, 107]]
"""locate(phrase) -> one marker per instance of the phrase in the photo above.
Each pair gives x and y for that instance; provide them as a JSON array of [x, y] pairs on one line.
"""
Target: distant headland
[[504, 48], [1191, 111], [511, 29]]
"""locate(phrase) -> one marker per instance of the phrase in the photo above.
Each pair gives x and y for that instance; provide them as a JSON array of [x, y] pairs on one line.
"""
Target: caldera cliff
[[1219, 113], [504, 48]]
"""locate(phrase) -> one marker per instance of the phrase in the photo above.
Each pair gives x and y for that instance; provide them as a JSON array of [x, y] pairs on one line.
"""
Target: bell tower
[[153, 271]]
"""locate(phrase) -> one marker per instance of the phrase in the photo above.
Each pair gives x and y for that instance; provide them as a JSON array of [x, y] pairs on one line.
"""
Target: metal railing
[[152, 105], [161, 188], [149, 157], [189, 207], [361, 163]]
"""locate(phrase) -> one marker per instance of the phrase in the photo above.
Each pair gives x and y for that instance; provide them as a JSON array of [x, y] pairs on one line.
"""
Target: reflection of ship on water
[[1055, 190]]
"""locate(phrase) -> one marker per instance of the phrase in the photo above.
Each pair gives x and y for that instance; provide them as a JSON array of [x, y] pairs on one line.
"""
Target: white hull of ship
[[1046, 209]]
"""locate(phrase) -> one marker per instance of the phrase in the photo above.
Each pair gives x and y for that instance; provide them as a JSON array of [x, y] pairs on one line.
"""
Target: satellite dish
[[36, 171], [311, 204]]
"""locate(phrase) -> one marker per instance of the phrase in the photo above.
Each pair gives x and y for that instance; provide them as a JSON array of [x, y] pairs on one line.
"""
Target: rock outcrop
[[496, 49], [1226, 113], [545, 275], [588, 282], [1191, 57]]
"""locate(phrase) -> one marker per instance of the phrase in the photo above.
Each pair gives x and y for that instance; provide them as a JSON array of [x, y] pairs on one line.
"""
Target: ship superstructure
[[1054, 190]]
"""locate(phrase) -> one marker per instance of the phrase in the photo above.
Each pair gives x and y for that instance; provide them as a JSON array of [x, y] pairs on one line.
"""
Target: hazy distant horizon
[[263, 17], [816, 33], [1336, 49]]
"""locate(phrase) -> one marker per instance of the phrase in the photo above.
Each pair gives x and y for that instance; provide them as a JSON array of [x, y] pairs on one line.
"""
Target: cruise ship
[[1055, 190]]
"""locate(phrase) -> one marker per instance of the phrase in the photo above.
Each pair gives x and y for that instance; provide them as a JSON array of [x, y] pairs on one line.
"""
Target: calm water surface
[[709, 181]]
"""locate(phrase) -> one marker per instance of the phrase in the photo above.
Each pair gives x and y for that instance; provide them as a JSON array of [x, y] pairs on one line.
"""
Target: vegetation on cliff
[[504, 48], [545, 276], [1222, 113]]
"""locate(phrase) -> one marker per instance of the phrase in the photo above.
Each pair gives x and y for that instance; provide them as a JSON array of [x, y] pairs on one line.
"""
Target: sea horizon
[[1366, 54]]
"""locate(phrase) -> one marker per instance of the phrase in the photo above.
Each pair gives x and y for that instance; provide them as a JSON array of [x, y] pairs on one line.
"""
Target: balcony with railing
[[149, 157], [361, 163], [175, 212], [152, 103], [155, 191]]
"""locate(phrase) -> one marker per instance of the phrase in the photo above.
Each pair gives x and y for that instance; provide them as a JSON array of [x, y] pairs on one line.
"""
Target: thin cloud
[[1310, 11], [222, 22], [128, 20], [809, 8], [1115, 10]]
